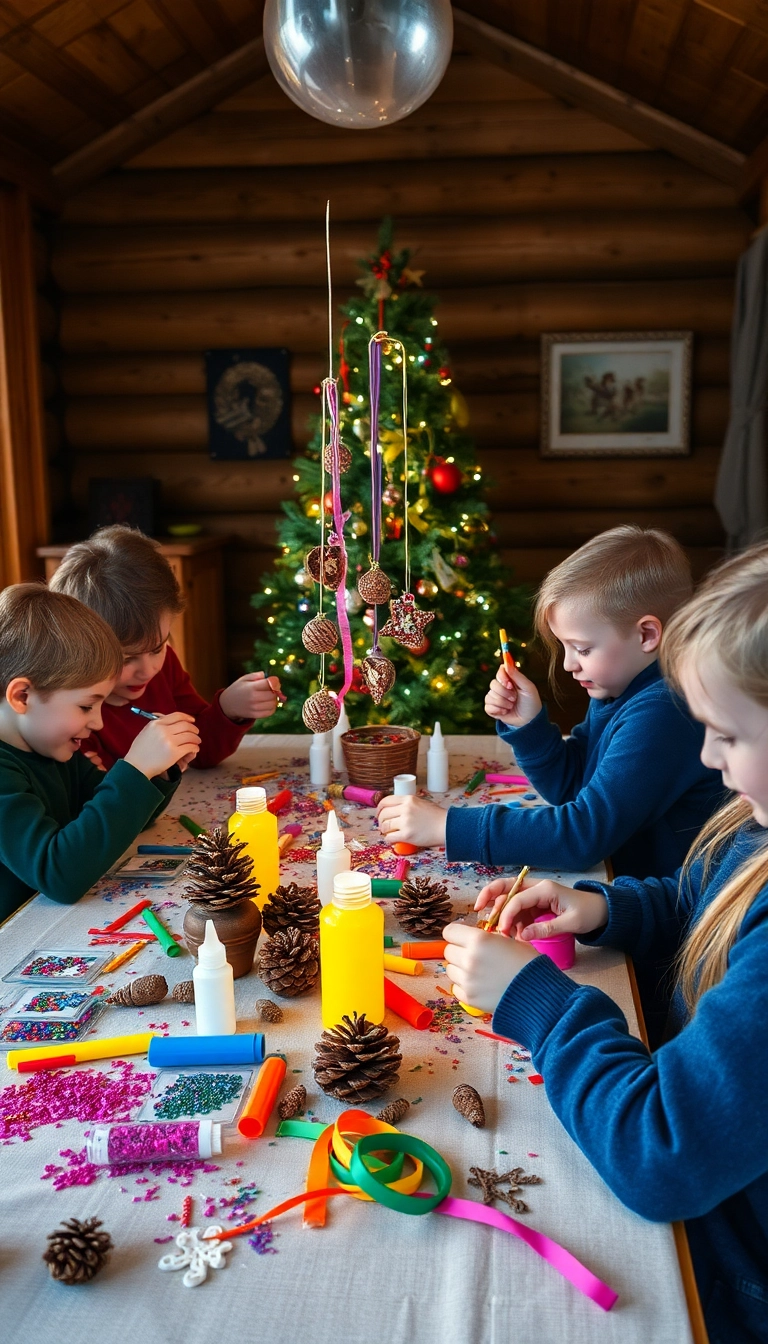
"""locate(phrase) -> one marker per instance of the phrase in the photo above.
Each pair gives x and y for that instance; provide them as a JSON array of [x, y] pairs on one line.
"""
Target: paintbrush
[[495, 916]]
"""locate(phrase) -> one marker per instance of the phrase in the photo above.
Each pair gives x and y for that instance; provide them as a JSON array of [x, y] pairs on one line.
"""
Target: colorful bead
[[198, 1094]]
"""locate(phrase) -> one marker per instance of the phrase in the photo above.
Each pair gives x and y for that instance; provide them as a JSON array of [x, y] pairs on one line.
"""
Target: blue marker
[[145, 714]]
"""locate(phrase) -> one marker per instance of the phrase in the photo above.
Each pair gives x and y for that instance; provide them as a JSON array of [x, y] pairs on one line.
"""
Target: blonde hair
[[54, 641], [120, 573], [727, 621], [622, 574]]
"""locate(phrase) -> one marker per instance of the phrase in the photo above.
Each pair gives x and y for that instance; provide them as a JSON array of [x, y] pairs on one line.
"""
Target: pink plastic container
[[561, 948]]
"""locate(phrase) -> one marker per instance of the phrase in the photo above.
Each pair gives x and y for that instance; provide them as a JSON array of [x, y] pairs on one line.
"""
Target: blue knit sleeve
[[553, 764], [646, 919]]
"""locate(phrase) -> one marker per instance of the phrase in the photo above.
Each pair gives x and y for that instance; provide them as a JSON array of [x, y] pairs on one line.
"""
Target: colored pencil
[[475, 782], [495, 916], [145, 714], [125, 918], [122, 937], [259, 779], [122, 957], [192, 826]]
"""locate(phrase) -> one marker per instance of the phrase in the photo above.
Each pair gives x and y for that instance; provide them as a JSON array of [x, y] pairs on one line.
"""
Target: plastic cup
[[560, 948]]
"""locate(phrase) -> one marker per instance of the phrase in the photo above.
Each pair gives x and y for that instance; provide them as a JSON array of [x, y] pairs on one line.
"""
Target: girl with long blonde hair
[[680, 1133]]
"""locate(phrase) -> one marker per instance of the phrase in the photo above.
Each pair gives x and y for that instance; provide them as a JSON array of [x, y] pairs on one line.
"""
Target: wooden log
[[298, 317], [446, 130], [653, 181], [698, 526], [520, 479], [180, 424], [571, 246]]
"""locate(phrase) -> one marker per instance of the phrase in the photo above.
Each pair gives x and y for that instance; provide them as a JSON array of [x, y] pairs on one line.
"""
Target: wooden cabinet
[[197, 635]]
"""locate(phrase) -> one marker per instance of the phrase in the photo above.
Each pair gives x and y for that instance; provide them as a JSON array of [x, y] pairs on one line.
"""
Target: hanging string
[[374, 380], [331, 400]]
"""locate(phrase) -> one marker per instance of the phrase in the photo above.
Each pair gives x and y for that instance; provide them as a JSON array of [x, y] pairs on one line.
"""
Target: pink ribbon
[[339, 519]]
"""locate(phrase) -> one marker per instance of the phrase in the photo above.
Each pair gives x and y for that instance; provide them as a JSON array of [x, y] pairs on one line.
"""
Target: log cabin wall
[[526, 214]]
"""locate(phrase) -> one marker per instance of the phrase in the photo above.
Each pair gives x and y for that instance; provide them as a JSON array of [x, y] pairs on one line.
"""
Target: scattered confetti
[[80, 1094]]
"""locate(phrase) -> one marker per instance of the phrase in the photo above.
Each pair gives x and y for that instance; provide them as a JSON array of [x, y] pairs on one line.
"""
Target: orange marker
[[425, 951], [261, 1102]]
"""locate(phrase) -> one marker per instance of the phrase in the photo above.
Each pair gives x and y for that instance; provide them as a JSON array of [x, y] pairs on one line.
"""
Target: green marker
[[388, 941], [475, 782], [164, 936], [191, 826], [385, 886]]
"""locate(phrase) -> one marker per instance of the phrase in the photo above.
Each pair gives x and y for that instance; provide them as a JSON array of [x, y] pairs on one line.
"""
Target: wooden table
[[371, 1275]]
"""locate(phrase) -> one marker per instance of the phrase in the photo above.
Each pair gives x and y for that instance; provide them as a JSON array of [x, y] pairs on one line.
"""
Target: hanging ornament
[[320, 712], [345, 462], [333, 566], [358, 528], [445, 476], [445, 576], [461, 560], [354, 601], [459, 409], [374, 586], [406, 622], [426, 588], [392, 496], [379, 675], [320, 635], [328, 501], [393, 528], [358, 66]]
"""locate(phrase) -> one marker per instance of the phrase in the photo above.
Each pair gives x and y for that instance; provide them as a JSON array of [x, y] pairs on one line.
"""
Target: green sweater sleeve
[[63, 861]]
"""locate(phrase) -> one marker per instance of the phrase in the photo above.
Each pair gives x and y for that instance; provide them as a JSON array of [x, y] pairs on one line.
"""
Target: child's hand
[[481, 965], [512, 698], [253, 696], [412, 820], [573, 911], [163, 743], [95, 759]]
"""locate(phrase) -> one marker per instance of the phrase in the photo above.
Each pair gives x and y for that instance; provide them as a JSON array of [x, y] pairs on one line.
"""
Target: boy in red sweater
[[121, 574]]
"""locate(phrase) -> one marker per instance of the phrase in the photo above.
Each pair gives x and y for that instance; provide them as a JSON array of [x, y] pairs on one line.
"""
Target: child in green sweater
[[63, 822]]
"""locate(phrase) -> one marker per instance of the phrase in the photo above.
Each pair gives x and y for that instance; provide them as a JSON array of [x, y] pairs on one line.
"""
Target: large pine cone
[[424, 907], [77, 1251], [289, 963], [357, 1061], [292, 907], [222, 872], [140, 993]]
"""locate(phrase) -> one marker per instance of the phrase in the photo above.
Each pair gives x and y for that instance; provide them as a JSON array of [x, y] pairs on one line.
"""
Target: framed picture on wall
[[616, 394], [249, 403]]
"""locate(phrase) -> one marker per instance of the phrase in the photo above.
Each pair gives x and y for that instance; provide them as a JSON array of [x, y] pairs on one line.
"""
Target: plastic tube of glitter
[[186, 1051], [153, 1141]]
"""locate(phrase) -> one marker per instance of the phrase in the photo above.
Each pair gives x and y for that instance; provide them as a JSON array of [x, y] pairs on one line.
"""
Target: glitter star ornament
[[406, 622], [197, 1255]]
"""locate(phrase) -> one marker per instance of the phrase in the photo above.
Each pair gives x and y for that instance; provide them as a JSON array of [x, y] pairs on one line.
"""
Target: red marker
[[280, 801], [40, 1065]]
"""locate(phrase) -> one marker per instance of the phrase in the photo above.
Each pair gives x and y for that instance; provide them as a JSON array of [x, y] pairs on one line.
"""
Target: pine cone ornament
[[184, 992], [374, 586], [139, 993], [292, 1102], [292, 907], [289, 963], [320, 712], [379, 675], [333, 566], [320, 635], [357, 1061], [394, 1112], [469, 1103], [424, 907], [268, 1011], [77, 1251], [222, 872]]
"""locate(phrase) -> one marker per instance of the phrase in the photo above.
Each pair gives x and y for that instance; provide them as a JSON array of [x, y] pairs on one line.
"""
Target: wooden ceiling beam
[[603, 100], [160, 118], [61, 72]]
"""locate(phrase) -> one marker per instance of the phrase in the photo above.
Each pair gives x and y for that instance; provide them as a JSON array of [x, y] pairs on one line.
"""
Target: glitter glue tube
[[404, 1004], [180, 1051], [153, 1141], [402, 965], [425, 951], [261, 1103]]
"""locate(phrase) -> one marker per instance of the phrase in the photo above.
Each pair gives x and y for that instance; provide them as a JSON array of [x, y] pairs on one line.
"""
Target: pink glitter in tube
[[154, 1141]]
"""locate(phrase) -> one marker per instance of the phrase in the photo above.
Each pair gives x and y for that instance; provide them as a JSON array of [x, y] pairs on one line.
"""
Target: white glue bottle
[[320, 759], [214, 987], [403, 784], [332, 858], [437, 762], [341, 727]]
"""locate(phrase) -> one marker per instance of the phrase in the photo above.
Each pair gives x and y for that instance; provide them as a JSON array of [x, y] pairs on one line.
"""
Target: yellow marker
[[403, 965], [110, 1047], [259, 779]]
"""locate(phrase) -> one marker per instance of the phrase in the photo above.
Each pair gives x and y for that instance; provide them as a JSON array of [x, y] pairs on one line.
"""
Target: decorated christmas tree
[[457, 576]]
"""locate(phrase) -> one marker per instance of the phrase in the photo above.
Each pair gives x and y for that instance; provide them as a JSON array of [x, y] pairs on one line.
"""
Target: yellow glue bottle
[[352, 952], [252, 823]]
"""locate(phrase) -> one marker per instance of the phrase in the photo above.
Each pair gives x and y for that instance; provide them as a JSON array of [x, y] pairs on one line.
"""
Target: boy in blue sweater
[[679, 1133], [628, 784]]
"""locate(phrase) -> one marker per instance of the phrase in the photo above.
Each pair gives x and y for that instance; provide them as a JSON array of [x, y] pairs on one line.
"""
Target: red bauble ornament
[[445, 476], [328, 501], [393, 528]]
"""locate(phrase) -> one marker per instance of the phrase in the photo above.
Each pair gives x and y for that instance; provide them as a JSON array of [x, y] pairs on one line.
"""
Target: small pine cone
[[222, 872], [292, 907], [184, 992], [357, 1061], [289, 963], [424, 907], [469, 1103], [394, 1112], [140, 993], [77, 1251], [268, 1011], [293, 1102]]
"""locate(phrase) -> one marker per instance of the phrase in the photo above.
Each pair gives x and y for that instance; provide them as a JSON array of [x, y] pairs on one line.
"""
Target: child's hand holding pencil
[[512, 698]]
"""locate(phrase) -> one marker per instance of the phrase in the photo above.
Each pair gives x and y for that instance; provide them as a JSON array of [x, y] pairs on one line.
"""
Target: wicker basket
[[373, 764]]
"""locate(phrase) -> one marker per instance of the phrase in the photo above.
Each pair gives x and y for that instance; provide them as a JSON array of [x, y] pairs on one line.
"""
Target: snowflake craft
[[489, 1182], [198, 1253]]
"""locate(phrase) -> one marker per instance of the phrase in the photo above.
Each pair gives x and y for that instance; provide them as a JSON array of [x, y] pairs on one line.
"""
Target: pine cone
[[268, 1011], [77, 1251], [424, 907], [289, 963], [292, 1102], [469, 1103], [394, 1112], [292, 907], [139, 993], [184, 992], [357, 1061], [222, 870]]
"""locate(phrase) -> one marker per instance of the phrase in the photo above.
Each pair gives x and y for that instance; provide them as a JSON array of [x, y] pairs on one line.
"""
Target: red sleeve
[[219, 735]]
